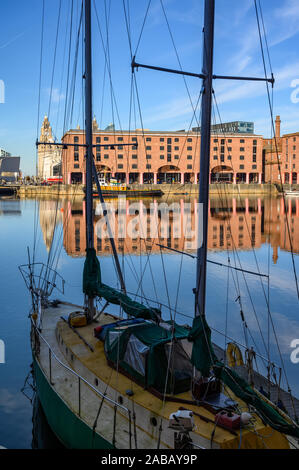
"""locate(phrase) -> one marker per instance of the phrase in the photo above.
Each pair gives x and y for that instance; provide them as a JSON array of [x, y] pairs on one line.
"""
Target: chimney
[[277, 126]]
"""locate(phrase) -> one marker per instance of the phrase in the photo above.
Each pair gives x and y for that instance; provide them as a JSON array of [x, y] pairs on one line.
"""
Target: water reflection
[[42, 435], [235, 223], [10, 206], [265, 220], [49, 216]]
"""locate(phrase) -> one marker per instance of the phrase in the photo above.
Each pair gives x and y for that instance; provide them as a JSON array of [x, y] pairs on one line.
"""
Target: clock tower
[[49, 156]]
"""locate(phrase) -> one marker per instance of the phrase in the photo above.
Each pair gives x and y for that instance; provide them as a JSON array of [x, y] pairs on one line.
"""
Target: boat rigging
[[160, 362]]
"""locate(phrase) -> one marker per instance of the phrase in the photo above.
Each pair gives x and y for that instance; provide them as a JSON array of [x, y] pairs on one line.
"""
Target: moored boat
[[137, 380]]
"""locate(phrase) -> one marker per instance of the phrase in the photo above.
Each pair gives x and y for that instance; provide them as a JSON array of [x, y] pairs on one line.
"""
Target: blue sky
[[164, 101]]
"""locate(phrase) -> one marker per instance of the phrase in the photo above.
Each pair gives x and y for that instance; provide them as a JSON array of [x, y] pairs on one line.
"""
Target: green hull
[[70, 430]]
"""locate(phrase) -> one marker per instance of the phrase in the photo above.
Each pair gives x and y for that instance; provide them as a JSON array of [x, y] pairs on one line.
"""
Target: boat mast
[[207, 70], [88, 137], [207, 92]]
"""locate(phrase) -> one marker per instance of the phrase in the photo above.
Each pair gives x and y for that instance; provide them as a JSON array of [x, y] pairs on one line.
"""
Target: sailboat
[[140, 382]]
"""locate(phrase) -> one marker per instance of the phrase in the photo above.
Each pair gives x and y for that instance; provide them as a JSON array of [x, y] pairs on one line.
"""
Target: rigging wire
[[276, 146], [68, 67], [143, 24], [112, 94], [53, 251], [127, 20], [37, 124], [269, 242], [73, 87], [177, 55], [61, 81], [54, 60], [235, 276], [139, 108], [235, 252], [263, 289], [141, 119], [284, 200]]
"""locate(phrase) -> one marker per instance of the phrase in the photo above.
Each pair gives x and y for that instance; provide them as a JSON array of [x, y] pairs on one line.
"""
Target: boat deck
[[90, 363]]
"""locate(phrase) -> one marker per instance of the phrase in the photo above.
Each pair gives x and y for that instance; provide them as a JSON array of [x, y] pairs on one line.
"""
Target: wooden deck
[[93, 367]]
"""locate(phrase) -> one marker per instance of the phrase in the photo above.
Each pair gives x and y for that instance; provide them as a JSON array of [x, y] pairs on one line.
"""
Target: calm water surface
[[256, 221]]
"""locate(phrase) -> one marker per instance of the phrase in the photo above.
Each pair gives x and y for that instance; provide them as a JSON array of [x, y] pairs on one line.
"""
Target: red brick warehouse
[[281, 157], [166, 157]]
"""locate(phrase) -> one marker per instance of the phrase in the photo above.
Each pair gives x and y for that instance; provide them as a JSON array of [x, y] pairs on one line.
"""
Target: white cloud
[[289, 10], [10, 403], [9, 42], [253, 89], [172, 109], [287, 16], [56, 96]]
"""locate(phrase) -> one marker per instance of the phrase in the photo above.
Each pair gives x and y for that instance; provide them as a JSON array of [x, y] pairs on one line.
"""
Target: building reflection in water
[[238, 224], [50, 215], [10, 206]]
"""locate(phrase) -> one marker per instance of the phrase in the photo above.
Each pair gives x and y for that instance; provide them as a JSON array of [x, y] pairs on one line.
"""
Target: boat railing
[[49, 371], [265, 359], [47, 368], [41, 279]]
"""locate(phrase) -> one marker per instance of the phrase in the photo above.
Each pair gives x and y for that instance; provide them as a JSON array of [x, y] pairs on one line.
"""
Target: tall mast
[[88, 137], [207, 70]]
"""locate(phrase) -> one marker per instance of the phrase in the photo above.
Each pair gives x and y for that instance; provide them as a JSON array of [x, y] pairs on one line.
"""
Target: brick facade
[[282, 163], [251, 222], [163, 157]]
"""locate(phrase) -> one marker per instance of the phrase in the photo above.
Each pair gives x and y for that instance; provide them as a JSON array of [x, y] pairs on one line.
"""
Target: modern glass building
[[4, 153], [235, 127]]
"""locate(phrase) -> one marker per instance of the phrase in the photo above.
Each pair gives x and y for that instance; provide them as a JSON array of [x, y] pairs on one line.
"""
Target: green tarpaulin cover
[[93, 286], [155, 338], [203, 355]]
